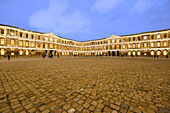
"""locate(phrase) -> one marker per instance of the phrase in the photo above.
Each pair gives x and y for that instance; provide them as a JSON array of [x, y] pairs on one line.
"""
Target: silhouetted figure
[[43, 56], [8, 57], [166, 56], [157, 56], [132, 55], [58, 55]]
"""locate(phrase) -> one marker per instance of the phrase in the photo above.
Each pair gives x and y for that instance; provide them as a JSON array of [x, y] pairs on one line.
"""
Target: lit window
[[12, 33], [51, 45], [158, 52], [26, 44], [12, 53], [123, 46], [165, 43], [133, 45], [138, 45], [55, 40], [158, 36], [145, 37], [133, 52], [2, 41], [145, 54], [32, 44], [108, 41], [2, 52], [20, 43], [158, 44], [12, 42], [20, 52], [145, 44], [51, 39], [152, 44], [129, 53], [46, 45], [138, 52], [165, 52], [129, 46], [152, 52], [46, 38], [26, 52], [113, 40], [117, 40]]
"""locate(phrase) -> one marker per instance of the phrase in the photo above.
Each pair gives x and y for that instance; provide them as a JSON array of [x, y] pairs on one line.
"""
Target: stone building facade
[[18, 42]]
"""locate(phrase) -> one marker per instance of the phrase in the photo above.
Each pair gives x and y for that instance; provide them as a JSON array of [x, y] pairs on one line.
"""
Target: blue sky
[[84, 20]]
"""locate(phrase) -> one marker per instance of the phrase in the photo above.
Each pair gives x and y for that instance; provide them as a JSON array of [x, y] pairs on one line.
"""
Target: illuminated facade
[[19, 42]]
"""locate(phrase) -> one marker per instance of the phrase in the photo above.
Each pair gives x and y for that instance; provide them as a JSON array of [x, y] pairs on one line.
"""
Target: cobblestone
[[84, 84]]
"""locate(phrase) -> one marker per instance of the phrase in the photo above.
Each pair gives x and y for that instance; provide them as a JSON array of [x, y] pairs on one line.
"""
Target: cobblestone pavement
[[94, 84]]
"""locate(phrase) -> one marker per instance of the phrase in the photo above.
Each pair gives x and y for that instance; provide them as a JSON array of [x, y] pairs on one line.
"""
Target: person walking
[[8, 57], [58, 55]]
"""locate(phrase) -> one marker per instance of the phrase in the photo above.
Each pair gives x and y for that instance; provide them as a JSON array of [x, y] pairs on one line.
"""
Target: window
[[139, 38], [138, 45], [20, 34], [129, 53], [108, 41], [2, 31], [32, 44], [158, 36], [12, 53], [123, 46], [51, 39], [51, 45], [26, 44], [2, 52], [26, 52], [129, 39], [46, 38], [158, 52], [133, 45], [12, 42], [134, 52], [2, 41], [152, 37], [133, 38], [145, 37], [117, 40], [152, 52], [32, 36], [165, 52], [165, 35], [38, 44], [152, 44], [55, 40], [165, 43], [20, 52], [38, 37], [145, 44], [158, 44], [46, 45], [138, 53], [12, 33], [20, 43], [129, 46], [26, 35], [113, 40]]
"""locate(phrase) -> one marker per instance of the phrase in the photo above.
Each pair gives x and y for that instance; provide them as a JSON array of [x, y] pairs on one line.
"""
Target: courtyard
[[85, 84]]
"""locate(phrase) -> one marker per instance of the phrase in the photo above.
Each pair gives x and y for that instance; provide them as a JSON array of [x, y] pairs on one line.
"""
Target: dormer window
[[12, 33], [51, 39], [145, 37], [158, 36], [113, 40], [46, 38]]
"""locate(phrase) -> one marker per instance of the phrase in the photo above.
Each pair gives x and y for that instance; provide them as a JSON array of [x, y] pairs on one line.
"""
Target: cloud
[[103, 6], [142, 5], [57, 19]]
